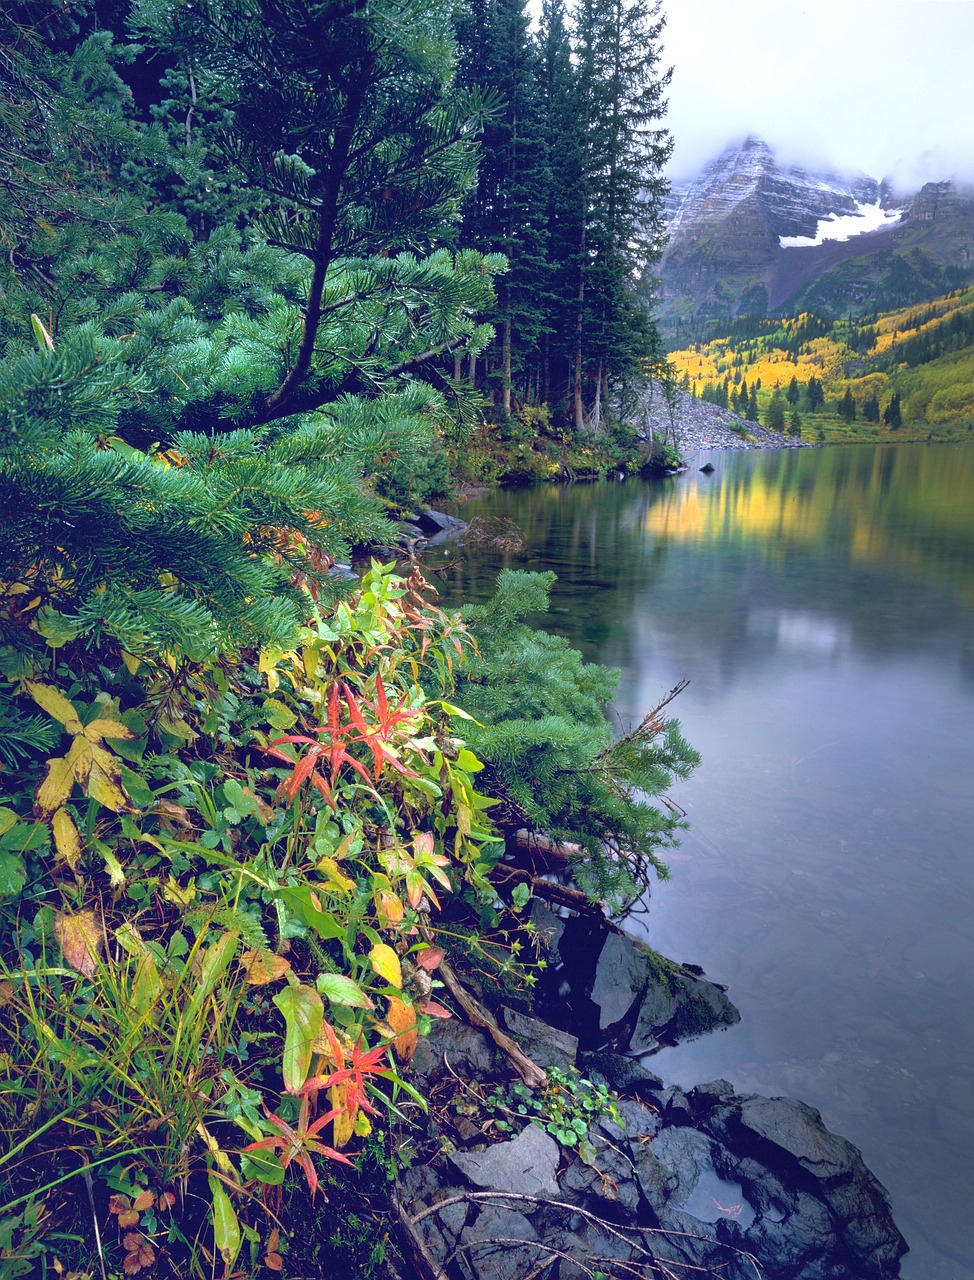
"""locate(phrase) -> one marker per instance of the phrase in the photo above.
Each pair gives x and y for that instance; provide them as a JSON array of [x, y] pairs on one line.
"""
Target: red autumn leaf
[[167, 1200], [430, 957], [118, 1203], [273, 1262], [144, 1200], [434, 1010]]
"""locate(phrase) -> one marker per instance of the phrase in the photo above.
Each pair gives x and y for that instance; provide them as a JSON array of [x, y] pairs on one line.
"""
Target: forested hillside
[[254, 293], [906, 373]]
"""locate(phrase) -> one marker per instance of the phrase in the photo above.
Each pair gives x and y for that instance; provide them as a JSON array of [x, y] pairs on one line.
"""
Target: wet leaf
[[339, 989], [54, 703], [264, 1166], [67, 841], [429, 958], [98, 729], [226, 1227], [386, 964], [54, 787], [80, 940], [402, 1019]]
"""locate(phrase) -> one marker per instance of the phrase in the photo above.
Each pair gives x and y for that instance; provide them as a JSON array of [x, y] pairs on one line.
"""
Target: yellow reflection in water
[[907, 506]]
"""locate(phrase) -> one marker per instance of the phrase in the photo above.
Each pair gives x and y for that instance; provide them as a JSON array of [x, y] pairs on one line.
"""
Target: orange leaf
[[144, 1200], [167, 1200], [402, 1018], [260, 967], [389, 909], [80, 940], [118, 1203], [128, 1218], [273, 1262]]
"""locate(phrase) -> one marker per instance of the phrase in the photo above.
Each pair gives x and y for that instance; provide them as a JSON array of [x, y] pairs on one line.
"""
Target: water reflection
[[821, 603]]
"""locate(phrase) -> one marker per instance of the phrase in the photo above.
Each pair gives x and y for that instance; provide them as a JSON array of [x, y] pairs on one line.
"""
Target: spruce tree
[[187, 431]]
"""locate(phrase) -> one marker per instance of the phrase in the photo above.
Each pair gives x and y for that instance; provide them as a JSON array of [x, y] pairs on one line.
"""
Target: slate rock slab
[[527, 1165]]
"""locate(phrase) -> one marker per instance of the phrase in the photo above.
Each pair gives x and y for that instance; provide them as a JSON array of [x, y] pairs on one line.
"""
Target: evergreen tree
[[188, 436], [892, 414], [793, 392], [774, 416], [794, 423], [814, 394], [846, 407], [504, 212], [870, 409]]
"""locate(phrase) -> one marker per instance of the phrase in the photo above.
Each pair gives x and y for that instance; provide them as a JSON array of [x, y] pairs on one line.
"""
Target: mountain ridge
[[725, 255]]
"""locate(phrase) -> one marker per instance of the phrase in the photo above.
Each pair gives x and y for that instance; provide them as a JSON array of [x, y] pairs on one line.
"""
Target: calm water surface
[[821, 603]]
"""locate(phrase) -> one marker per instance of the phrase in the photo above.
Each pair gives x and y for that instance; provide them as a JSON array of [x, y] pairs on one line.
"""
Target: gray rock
[[487, 1250], [527, 1165], [548, 1046]]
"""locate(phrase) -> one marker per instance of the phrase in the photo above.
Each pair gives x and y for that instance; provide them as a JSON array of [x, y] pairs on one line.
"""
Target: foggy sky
[[880, 86]]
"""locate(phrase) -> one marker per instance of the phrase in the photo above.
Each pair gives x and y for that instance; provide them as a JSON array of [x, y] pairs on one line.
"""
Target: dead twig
[[529, 1071]]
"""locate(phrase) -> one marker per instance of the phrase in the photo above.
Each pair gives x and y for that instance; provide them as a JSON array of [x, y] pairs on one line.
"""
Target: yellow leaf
[[80, 940], [402, 1019], [132, 663], [54, 787], [261, 967], [386, 964], [342, 1127], [106, 788], [66, 838], [99, 729], [389, 909], [333, 875], [79, 757], [172, 890], [53, 702]]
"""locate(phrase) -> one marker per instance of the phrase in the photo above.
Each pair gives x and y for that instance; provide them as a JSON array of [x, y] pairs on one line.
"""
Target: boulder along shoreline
[[700, 1183]]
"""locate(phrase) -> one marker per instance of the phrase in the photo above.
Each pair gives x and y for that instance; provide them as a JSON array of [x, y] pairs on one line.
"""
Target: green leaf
[[13, 876], [226, 1227], [468, 762], [520, 897], [304, 903], [303, 1014], [341, 990], [213, 965], [265, 1166]]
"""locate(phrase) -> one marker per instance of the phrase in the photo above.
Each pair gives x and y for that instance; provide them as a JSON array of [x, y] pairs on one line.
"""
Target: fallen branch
[[616, 1230], [425, 1265], [529, 1071]]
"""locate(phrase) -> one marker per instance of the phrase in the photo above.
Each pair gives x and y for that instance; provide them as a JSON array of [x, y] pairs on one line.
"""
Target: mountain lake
[[821, 604]]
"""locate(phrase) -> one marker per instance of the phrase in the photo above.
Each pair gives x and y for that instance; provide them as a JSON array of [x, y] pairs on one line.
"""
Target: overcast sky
[[881, 86]]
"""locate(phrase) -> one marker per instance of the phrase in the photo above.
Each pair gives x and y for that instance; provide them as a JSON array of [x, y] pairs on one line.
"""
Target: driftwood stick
[[529, 1071], [425, 1265], [562, 894]]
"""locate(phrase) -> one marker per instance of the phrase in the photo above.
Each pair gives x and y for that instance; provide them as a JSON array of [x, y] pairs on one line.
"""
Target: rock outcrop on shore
[[703, 1182], [690, 425]]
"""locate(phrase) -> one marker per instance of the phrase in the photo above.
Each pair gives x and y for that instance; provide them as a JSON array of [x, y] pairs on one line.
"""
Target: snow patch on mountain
[[868, 217]]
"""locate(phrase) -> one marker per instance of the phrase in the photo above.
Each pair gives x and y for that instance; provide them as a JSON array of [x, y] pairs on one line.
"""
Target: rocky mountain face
[[751, 236]]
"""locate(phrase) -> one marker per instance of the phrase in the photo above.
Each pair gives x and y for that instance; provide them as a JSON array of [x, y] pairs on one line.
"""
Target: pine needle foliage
[[552, 753]]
